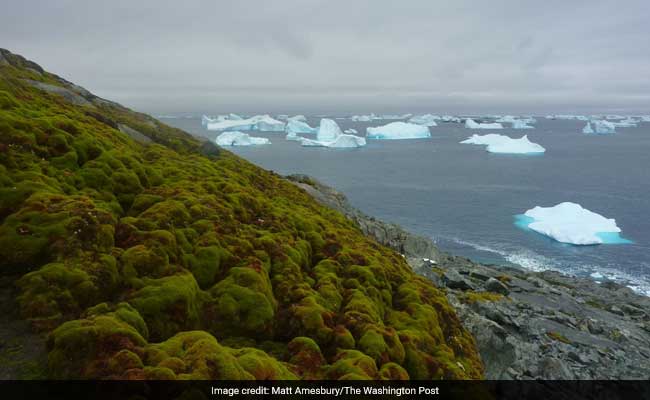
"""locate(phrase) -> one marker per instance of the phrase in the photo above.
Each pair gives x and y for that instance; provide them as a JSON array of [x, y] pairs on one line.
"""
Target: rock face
[[527, 325]]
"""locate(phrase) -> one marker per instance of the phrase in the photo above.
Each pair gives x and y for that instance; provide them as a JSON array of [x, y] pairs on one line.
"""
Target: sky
[[353, 56]]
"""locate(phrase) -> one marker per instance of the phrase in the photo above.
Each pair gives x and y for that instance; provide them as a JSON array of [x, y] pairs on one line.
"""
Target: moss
[[558, 336], [480, 297], [205, 264], [83, 348], [352, 364], [393, 372], [168, 305], [188, 241]]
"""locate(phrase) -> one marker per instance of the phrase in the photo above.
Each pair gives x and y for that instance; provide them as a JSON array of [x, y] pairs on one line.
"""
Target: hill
[[140, 252]]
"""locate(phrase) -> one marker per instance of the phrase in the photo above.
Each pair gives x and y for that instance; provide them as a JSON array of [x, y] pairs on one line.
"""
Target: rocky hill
[[129, 249]]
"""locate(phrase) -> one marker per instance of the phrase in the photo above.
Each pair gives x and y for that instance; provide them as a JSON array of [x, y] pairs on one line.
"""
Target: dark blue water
[[465, 198]]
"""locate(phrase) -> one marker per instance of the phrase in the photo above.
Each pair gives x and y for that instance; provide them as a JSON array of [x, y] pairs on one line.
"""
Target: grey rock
[[66, 93], [496, 286], [454, 280], [134, 134]]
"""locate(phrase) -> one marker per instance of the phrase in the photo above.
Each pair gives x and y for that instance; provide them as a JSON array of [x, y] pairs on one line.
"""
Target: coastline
[[527, 324]]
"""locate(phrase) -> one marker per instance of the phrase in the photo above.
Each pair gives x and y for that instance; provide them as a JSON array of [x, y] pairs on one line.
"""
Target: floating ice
[[450, 118], [257, 123], [471, 124], [398, 130], [235, 138], [364, 118], [570, 223], [600, 127], [298, 117], [568, 117], [395, 116], [330, 135], [425, 120], [295, 127], [521, 124], [625, 123], [505, 145], [351, 131]]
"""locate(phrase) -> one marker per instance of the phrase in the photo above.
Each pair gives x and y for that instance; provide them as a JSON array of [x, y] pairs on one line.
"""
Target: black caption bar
[[208, 390]]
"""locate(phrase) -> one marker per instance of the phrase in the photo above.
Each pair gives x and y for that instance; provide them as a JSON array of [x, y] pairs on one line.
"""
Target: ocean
[[466, 199]]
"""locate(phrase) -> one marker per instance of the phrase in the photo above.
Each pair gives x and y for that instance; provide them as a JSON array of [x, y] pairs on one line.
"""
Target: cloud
[[342, 56]]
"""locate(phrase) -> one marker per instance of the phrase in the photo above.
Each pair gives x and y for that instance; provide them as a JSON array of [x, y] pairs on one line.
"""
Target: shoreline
[[527, 324]]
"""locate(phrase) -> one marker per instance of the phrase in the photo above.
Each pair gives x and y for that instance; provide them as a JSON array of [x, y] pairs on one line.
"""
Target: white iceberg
[[295, 127], [600, 127], [398, 130], [298, 117], [570, 223], [425, 120], [450, 118], [351, 131], [521, 124], [505, 145], [471, 124], [626, 123], [330, 135], [235, 138], [395, 116], [364, 118], [264, 123]]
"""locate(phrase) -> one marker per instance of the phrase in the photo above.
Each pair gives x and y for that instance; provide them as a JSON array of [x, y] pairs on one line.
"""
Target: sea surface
[[466, 199]]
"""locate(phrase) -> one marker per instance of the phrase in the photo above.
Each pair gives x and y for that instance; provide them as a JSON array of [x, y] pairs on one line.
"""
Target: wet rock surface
[[527, 325]]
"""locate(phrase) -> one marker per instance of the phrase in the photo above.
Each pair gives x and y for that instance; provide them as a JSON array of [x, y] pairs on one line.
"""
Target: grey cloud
[[343, 56]]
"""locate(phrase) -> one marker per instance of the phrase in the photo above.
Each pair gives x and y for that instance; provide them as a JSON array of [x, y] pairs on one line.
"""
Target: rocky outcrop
[[528, 325]]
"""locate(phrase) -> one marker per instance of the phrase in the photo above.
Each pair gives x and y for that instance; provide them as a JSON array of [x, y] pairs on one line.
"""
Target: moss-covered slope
[[152, 255]]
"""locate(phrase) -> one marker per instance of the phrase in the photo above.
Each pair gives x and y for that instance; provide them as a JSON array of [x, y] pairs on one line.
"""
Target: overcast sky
[[348, 56]]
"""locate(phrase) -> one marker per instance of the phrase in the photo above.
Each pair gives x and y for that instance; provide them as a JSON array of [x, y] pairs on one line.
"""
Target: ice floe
[[600, 127], [471, 124], [329, 135], [236, 138], [425, 120], [521, 124], [505, 145], [398, 130], [570, 223], [264, 123], [351, 131]]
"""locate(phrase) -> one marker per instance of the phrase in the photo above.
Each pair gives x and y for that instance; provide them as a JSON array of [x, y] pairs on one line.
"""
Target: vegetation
[[176, 260]]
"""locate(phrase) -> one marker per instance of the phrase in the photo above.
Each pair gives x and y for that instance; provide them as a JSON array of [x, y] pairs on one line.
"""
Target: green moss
[[558, 336], [191, 238], [168, 305]]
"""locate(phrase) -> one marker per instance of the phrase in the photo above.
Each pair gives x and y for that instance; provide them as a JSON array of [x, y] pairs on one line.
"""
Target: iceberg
[[471, 124], [570, 223], [398, 130], [295, 127], [450, 118], [299, 117], [395, 116], [262, 123], [600, 127], [625, 123], [235, 138], [505, 145], [425, 120], [329, 135], [364, 118], [350, 131], [521, 124]]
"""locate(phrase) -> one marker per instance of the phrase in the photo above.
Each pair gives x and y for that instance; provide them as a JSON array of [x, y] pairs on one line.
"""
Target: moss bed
[[167, 261]]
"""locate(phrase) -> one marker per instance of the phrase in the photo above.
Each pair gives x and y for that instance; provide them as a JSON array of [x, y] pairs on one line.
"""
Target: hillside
[[140, 252]]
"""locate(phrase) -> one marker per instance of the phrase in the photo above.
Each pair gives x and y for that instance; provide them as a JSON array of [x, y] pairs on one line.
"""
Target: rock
[[496, 286], [632, 310], [67, 94], [616, 310], [553, 368], [209, 149], [135, 135], [454, 280]]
